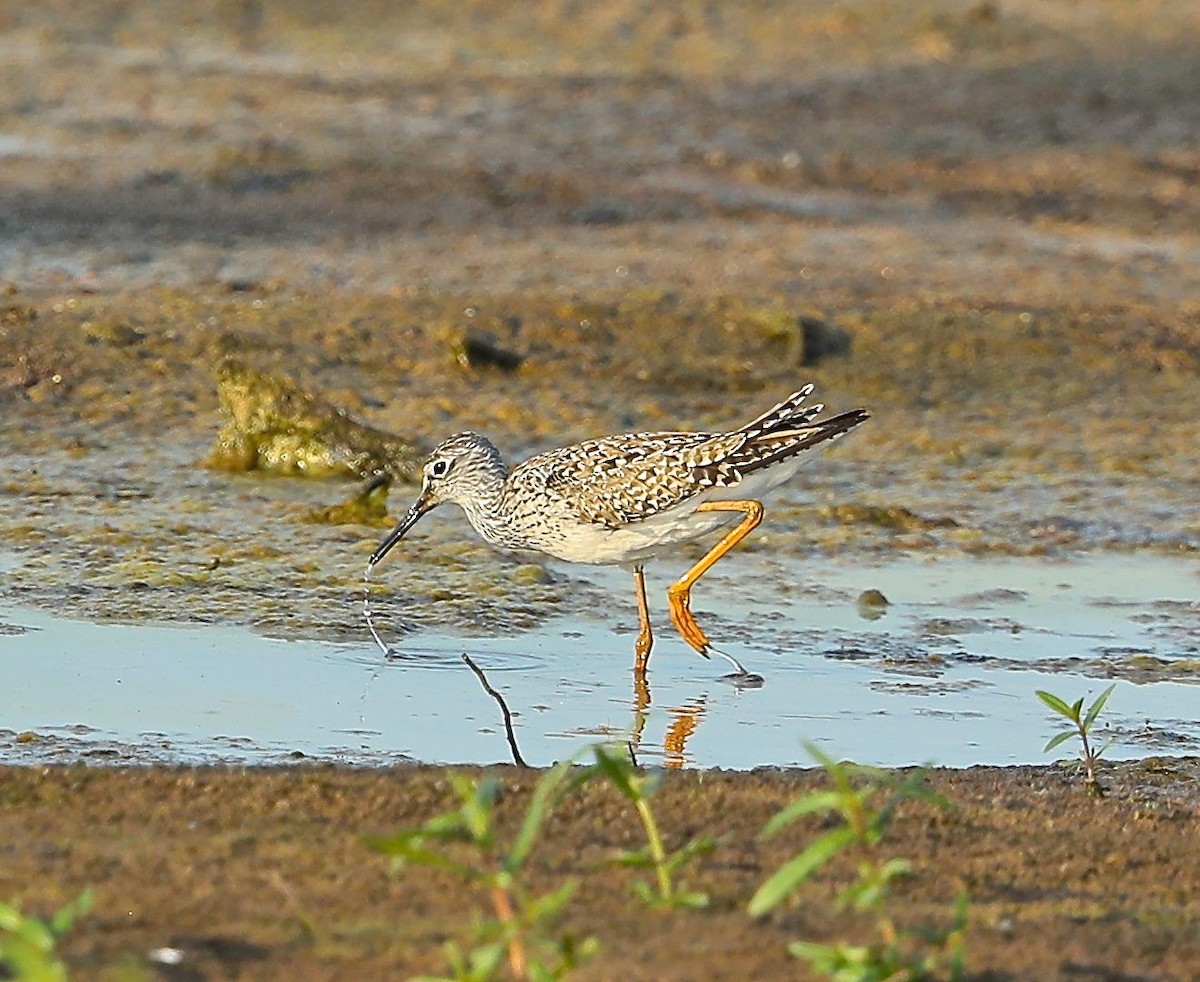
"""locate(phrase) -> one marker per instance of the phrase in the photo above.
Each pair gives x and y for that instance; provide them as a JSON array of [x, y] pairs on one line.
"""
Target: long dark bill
[[411, 517]]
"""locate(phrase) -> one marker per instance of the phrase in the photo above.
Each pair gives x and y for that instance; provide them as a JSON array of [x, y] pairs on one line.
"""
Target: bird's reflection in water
[[684, 721]]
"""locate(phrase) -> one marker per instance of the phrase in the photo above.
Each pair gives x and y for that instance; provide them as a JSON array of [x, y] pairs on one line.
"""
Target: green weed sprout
[[27, 945], [865, 799], [1083, 724], [665, 894], [522, 924]]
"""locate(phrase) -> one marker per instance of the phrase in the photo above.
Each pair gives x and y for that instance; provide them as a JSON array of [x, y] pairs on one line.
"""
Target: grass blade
[[817, 801], [550, 905], [618, 771], [540, 804], [63, 918], [796, 870], [1098, 705], [1061, 738], [693, 900], [1051, 700], [477, 808], [700, 846]]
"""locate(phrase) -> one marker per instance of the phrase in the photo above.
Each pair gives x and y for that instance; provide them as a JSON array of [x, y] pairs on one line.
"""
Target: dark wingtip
[[844, 422]]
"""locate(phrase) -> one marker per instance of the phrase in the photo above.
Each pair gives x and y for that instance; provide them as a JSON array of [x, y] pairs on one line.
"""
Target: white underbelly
[[638, 541], [658, 534]]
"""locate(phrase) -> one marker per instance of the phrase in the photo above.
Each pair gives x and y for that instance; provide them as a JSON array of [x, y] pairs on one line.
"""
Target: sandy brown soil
[[264, 874], [998, 201]]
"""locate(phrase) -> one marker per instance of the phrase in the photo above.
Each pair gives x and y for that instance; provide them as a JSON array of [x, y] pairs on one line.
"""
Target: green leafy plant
[[27, 945], [521, 930], [1083, 725], [864, 799], [665, 892]]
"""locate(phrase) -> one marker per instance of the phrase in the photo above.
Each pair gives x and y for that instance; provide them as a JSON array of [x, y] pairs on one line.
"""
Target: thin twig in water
[[508, 725]]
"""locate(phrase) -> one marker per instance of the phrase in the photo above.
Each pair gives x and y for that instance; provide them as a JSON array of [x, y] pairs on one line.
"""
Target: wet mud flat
[[105, 515], [948, 657], [548, 226], [265, 873]]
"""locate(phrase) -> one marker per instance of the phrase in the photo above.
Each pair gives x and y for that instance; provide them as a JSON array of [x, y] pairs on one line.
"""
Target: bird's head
[[459, 470]]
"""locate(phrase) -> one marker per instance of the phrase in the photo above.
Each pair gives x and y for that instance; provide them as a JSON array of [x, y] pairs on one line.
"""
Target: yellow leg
[[645, 638], [680, 592]]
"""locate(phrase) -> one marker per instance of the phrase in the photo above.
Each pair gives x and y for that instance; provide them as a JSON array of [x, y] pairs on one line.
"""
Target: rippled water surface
[[947, 674]]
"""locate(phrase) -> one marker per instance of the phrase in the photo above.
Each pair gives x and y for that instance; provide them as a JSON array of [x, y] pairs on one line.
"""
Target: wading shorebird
[[625, 499]]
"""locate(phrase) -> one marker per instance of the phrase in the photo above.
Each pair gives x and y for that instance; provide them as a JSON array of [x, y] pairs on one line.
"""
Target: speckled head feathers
[[460, 468]]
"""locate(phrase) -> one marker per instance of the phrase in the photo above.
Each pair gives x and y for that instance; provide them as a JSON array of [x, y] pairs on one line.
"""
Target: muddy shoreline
[[641, 209], [264, 873]]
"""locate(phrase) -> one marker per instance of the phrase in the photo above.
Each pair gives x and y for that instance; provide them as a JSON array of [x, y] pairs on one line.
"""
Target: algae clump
[[274, 425]]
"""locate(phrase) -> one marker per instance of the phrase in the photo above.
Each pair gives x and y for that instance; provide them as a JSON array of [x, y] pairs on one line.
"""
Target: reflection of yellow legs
[[641, 648], [684, 721], [680, 592], [686, 718], [645, 638], [641, 706]]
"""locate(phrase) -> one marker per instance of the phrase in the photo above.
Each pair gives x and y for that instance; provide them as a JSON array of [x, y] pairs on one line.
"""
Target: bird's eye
[[439, 468]]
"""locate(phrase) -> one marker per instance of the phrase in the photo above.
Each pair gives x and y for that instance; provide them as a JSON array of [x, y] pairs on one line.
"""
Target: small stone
[[872, 605], [115, 332], [531, 574], [473, 350], [604, 210], [822, 340]]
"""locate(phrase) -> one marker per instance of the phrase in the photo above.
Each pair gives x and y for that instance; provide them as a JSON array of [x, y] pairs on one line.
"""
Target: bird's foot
[[740, 678], [690, 631], [685, 623]]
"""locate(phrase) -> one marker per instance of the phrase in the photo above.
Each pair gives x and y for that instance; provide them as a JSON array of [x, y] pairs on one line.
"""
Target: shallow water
[[946, 675]]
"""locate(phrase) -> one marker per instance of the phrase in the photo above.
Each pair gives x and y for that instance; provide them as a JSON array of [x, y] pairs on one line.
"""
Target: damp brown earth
[[979, 221], [266, 873]]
